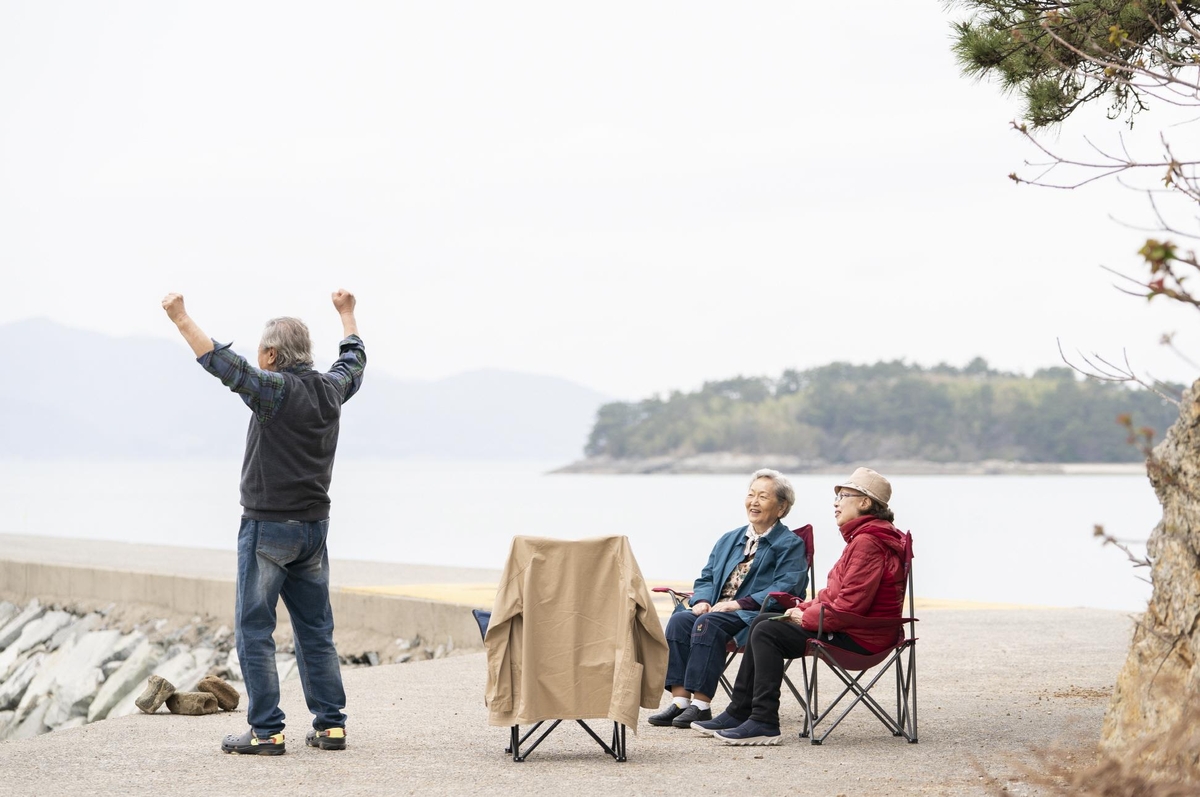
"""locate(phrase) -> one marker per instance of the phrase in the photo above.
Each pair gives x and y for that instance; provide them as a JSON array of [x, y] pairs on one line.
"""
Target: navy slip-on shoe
[[665, 717], [750, 732], [691, 714], [722, 722]]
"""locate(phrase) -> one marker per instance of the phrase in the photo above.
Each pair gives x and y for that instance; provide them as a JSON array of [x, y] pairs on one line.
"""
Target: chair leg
[[519, 756], [901, 704], [912, 692], [811, 716], [619, 741], [616, 750], [724, 679], [862, 695], [801, 699]]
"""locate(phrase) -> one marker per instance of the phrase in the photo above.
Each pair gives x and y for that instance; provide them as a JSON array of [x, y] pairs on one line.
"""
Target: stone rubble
[[227, 697], [62, 666], [158, 691], [192, 703]]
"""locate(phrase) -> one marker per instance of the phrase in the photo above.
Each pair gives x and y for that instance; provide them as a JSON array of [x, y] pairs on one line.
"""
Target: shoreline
[[192, 581], [726, 463]]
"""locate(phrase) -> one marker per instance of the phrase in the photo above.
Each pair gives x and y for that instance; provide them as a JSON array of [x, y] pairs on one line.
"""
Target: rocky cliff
[[1150, 721]]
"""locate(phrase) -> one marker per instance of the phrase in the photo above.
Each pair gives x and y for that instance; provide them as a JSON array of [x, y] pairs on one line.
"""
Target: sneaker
[[328, 739], [691, 714], [722, 722], [750, 732], [666, 716], [251, 744]]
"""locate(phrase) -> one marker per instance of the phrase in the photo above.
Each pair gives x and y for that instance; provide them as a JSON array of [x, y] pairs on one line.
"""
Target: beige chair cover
[[573, 635]]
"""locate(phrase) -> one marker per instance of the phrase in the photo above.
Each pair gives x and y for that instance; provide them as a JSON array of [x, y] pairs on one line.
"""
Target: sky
[[635, 196]]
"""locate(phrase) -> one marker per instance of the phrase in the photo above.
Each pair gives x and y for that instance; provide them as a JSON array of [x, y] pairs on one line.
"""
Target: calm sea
[[1021, 539]]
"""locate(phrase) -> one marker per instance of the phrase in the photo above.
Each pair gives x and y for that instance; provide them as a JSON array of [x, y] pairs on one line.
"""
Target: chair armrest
[[851, 620], [677, 596], [785, 599]]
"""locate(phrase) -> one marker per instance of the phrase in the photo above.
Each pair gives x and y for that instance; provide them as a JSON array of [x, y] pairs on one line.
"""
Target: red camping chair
[[842, 662], [805, 533]]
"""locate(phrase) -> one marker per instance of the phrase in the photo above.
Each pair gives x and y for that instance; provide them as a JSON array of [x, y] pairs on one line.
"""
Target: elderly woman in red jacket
[[868, 580]]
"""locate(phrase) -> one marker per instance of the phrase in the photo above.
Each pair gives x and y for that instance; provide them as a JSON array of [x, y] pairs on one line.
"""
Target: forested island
[[886, 412]]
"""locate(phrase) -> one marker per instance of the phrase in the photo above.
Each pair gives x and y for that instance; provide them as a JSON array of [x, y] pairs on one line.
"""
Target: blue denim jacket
[[779, 566]]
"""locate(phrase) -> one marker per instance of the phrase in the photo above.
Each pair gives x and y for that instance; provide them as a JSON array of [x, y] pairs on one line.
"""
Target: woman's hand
[[727, 606], [700, 608]]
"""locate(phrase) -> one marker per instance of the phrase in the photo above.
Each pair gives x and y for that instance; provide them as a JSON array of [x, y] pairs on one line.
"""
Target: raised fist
[[343, 300], [173, 304]]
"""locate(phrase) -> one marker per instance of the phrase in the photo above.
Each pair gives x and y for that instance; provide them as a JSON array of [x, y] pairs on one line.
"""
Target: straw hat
[[869, 483]]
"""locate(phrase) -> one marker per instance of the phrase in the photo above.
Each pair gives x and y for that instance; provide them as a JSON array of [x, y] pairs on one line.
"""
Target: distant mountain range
[[70, 393]]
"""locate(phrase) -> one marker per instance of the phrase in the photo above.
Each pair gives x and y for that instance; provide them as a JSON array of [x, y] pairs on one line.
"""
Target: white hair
[[783, 488]]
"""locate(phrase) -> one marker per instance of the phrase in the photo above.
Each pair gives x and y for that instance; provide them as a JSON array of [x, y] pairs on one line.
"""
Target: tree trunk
[[1151, 721]]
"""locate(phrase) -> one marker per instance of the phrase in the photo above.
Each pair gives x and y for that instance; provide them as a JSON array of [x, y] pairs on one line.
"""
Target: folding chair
[[902, 656], [616, 749], [732, 648]]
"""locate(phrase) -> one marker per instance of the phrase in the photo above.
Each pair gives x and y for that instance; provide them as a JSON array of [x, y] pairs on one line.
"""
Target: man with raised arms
[[286, 472]]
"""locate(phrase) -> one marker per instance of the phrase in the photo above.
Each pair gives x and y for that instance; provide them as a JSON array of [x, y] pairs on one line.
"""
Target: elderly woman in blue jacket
[[745, 566]]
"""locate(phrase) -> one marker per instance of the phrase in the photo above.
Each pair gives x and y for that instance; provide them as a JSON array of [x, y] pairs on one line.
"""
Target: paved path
[[997, 689]]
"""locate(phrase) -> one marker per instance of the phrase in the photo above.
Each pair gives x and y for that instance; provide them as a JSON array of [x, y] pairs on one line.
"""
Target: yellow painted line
[[484, 595]]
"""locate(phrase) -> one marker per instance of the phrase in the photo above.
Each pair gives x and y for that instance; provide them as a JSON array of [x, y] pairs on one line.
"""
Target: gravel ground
[[998, 688]]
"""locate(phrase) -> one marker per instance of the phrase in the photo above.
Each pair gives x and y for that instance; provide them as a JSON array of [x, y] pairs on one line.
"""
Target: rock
[[372, 658], [227, 696], [31, 634], [234, 665], [440, 652], [72, 697], [14, 687], [449, 644], [192, 703], [109, 668], [133, 671], [158, 690], [221, 634], [6, 718], [33, 724], [74, 722], [1150, 722], [201, 663], [72, 630], [12, 629], [170, 668], [7, 612], [71, 675], [127, 645], [404, 658]]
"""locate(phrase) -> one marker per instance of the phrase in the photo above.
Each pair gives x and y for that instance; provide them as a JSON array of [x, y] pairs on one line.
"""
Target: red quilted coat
[[868, 580]]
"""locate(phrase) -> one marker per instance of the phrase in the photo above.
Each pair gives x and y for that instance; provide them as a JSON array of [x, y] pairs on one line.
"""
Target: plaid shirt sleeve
[[347, 372], [261, 390]]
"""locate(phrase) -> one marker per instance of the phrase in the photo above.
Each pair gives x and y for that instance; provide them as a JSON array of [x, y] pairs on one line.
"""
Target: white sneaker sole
[[753, 741]]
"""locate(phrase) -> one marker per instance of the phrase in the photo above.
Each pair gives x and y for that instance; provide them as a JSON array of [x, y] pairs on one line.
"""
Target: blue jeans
[[286, 559], [696, 648]]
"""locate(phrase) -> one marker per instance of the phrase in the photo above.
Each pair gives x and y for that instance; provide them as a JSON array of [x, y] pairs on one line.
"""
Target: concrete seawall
[[355, 609]]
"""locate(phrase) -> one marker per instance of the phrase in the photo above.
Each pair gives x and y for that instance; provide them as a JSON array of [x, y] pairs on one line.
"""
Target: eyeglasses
[[841, 496]]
